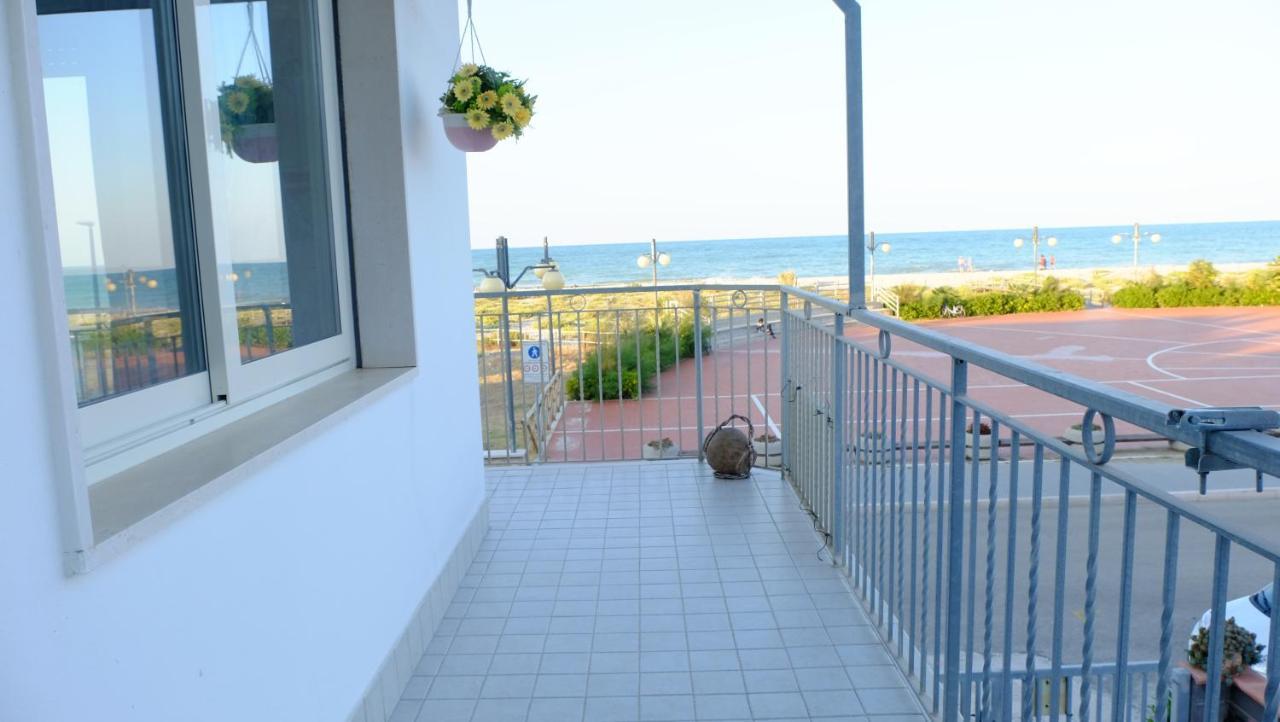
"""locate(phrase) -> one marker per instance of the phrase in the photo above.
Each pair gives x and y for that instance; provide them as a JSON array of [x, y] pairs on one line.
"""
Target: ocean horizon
[[935, 251]]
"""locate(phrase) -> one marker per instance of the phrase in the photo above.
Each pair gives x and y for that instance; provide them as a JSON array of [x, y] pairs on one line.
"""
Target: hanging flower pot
[[483, 106], [256, 143], [246, 107], [464, 137]]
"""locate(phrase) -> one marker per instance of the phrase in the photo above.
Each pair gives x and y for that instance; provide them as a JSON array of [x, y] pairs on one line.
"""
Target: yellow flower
[[522, 117], [487, 100], [511, 103], [463, 90], [477, 119], [237, 102], [503, 130], [468, 69]]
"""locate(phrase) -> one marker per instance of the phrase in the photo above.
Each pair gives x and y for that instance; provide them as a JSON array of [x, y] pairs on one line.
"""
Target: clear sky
[[697, 119]]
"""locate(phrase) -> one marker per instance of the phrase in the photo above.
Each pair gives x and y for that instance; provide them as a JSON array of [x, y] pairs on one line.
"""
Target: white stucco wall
[[277, 599]]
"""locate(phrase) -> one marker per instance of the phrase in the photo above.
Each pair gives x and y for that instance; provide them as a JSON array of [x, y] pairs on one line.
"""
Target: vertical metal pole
[[697, 364], [1137, 239], [853, 109], [653, 261], [871, 261], [955, 543], [837, 416], [508, 376], [784, 385]]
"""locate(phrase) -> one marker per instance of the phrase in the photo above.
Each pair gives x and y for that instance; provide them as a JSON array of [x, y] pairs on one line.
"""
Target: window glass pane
[[262, 79], [115, 141]]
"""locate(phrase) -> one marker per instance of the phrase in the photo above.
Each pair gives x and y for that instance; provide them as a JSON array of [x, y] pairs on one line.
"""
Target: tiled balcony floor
[[651, 591]]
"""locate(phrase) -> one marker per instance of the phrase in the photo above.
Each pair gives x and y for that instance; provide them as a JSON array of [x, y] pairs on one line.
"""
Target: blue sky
[[695, 119]]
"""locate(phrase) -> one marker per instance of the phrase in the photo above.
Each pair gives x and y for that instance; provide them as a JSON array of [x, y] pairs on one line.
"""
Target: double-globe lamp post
[[653, 259], [871, 254], [499, 281], [1137, 237], [1051, 241]]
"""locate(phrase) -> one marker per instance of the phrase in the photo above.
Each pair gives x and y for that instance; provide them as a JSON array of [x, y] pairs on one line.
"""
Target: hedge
[[917, 303], [638, 365], [1200, 285]]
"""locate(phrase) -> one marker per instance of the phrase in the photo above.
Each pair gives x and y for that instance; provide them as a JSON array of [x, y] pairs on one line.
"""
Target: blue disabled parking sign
[[533, 363]]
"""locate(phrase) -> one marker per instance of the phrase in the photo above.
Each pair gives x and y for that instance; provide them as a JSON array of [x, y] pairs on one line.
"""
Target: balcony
[[950, 554], [625, 591]]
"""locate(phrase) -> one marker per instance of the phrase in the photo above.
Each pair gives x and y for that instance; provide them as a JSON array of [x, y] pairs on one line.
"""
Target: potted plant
[[767, 445], [1075, 435], [663, 448], [483, 106], [984, 441], [1240, 651], [247, 113]]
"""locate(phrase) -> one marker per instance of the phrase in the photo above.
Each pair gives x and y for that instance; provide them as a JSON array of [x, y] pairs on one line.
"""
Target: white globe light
[[644, 261], [885, 247], [1116, 238], [1017, 242], [1155, 237], [553, 280], [491, 284], [664, 259], [1053, 241], [539, 272]]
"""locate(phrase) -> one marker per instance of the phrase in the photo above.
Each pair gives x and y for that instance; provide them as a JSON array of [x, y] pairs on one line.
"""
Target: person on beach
[[1044, 263], [1053, 263]]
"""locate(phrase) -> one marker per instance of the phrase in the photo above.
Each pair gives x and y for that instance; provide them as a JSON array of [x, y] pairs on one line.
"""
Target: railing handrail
[[1252, 448]]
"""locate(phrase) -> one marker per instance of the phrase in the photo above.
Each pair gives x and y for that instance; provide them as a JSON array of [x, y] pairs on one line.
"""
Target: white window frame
[[128, 429]]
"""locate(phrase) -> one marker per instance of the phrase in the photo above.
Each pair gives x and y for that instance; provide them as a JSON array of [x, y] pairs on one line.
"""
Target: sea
[[765, 258], [818, 256]]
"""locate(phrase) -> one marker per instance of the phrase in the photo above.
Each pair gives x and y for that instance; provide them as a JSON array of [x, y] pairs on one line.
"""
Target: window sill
[[135, 503]]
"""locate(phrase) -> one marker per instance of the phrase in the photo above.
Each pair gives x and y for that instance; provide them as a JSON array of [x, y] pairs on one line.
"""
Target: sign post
[[533, 361]]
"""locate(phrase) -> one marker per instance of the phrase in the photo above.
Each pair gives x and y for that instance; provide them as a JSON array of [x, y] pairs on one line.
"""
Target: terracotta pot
[[654, 453], [463, 137], [256, 143], [984, 446]]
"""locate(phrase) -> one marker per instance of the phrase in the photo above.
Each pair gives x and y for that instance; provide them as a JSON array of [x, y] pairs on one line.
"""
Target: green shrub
[[1201, 285], [1050, 296], [601, 376]]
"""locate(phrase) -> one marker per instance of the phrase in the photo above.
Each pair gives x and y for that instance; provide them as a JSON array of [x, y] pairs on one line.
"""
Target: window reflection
[[262, 81], [127, 252]]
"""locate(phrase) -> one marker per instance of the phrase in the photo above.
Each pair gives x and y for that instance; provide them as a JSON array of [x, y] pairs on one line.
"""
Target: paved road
[[1239, 509]]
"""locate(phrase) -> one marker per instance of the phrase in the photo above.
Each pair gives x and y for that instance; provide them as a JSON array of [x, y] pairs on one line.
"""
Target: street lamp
[[131, 280], [653, 259], [500, 279], [1137, 237], [871, 251], [1051, 241]]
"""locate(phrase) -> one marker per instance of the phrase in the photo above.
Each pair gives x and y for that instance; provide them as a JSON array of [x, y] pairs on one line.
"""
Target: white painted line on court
[[1166, 393], [773, 428], [1220, 327]]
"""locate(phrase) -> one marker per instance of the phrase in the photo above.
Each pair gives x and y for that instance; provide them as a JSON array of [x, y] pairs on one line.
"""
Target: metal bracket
[[1205, 422]]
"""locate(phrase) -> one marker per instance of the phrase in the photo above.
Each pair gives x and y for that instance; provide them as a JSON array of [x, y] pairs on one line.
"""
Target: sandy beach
[[934, 279]]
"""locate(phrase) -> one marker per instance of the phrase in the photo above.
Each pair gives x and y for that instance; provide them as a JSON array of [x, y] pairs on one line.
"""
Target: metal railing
[[887, 298], [943, 531], [631, 365], [1004, 568]]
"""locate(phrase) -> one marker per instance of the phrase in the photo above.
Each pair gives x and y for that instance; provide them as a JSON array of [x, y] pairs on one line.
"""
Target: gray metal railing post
[[783, 383], [697, 365], [508, 374], [955, 542], [837, 442], [268, 326]]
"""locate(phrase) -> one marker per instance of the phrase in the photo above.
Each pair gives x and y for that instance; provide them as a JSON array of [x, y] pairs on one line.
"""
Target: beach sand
[[934, 279]]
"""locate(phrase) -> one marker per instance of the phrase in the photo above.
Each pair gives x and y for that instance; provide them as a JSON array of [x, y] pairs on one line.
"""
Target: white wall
[[277, 599]]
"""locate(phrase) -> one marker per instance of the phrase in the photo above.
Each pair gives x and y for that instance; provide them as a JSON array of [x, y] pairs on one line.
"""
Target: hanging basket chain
[[469, 32], [252, 39]]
